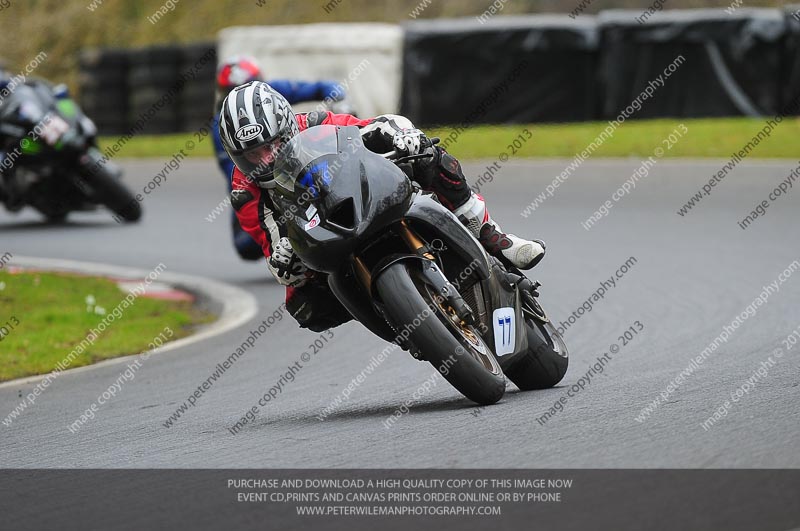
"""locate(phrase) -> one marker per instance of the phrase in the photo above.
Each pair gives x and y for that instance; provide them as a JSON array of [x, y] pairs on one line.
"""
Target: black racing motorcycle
[[407, 268], [52, 162]]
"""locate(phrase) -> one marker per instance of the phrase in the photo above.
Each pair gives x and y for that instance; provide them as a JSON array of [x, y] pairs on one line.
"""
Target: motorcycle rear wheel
[[545, 361]]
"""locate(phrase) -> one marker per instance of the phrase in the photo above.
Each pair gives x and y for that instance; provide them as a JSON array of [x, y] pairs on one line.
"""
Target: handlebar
[[393, 155]]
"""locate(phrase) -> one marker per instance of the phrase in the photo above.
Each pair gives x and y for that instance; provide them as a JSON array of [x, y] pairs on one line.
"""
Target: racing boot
[[508, 248]]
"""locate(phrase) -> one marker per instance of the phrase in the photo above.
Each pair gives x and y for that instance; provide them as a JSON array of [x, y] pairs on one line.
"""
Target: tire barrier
[[732, 64], [513, 70], [196, 102], [745, 62], [790, 80], [152, 71], [119, 87], [103, 85], [507, 69]]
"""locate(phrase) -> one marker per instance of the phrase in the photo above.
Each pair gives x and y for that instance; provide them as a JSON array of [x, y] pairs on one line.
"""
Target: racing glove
[[414, 142], [410, 142], [285, 265]]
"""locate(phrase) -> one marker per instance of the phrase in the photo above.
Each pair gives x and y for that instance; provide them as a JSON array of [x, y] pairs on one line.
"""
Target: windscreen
[[299, 168]]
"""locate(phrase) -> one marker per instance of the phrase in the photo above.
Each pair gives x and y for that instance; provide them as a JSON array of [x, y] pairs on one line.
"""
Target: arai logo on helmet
[[248, 132]]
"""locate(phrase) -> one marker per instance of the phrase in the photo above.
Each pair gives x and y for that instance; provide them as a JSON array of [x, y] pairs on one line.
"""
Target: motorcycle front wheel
[[109, 191], [455, 349]]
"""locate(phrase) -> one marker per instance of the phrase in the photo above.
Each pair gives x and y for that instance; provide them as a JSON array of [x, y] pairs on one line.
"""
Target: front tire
[[407, 301], [54, 213], [110, 192]]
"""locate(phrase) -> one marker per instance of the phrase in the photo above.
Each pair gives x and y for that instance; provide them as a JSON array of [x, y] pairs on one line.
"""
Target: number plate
[[504, 331]]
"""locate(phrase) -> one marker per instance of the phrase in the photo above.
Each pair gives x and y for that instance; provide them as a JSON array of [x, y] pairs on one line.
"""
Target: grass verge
[[717, 138], [706, 138], [46, 315]]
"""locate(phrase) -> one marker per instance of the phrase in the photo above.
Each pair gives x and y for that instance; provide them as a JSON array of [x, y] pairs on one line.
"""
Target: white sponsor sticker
[[311, 211], [313, 223], [504, 331]]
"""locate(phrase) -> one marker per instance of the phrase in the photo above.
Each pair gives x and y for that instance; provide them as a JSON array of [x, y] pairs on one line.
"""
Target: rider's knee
[[314, 307], [248, 250]]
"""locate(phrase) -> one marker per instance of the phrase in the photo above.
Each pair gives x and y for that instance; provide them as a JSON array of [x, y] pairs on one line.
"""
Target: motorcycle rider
[[308, 299], [9, 133], [14, 119], [239, 70]]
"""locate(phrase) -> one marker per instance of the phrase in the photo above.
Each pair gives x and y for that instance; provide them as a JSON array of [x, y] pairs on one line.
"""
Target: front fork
[[431, 272]]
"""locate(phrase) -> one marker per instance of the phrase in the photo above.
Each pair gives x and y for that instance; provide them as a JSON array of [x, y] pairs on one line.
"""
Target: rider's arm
[[378, 136], [380, 131], [377, 132], [300, 91], [254, 210]]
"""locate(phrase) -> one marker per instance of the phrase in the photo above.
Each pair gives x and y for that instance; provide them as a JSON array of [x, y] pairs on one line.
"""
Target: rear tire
[[545, 362], [453, 357]]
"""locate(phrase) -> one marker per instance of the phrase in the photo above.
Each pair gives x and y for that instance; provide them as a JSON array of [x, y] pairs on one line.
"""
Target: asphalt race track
[[692, 276]]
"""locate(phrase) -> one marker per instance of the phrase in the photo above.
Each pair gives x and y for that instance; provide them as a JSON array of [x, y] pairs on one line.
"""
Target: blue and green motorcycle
[[50, 157]]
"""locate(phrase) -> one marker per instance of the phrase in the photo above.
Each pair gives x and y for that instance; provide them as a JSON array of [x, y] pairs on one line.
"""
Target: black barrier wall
[[104, 88], [746, 62], [731, 63], [507, 70], [790, 60], [120, 88], [547, 68]]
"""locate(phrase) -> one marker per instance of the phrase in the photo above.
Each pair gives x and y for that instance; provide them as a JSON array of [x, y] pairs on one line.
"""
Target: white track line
[[238, 306]]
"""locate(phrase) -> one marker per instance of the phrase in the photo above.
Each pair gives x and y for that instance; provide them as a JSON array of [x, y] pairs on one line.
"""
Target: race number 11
[[504, 331]]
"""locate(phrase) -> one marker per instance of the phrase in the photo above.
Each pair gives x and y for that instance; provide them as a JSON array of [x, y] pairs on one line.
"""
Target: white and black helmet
[[254, 123]]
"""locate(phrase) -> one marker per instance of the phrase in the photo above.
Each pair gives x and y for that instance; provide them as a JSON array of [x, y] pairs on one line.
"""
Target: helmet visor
[[258, 162]]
